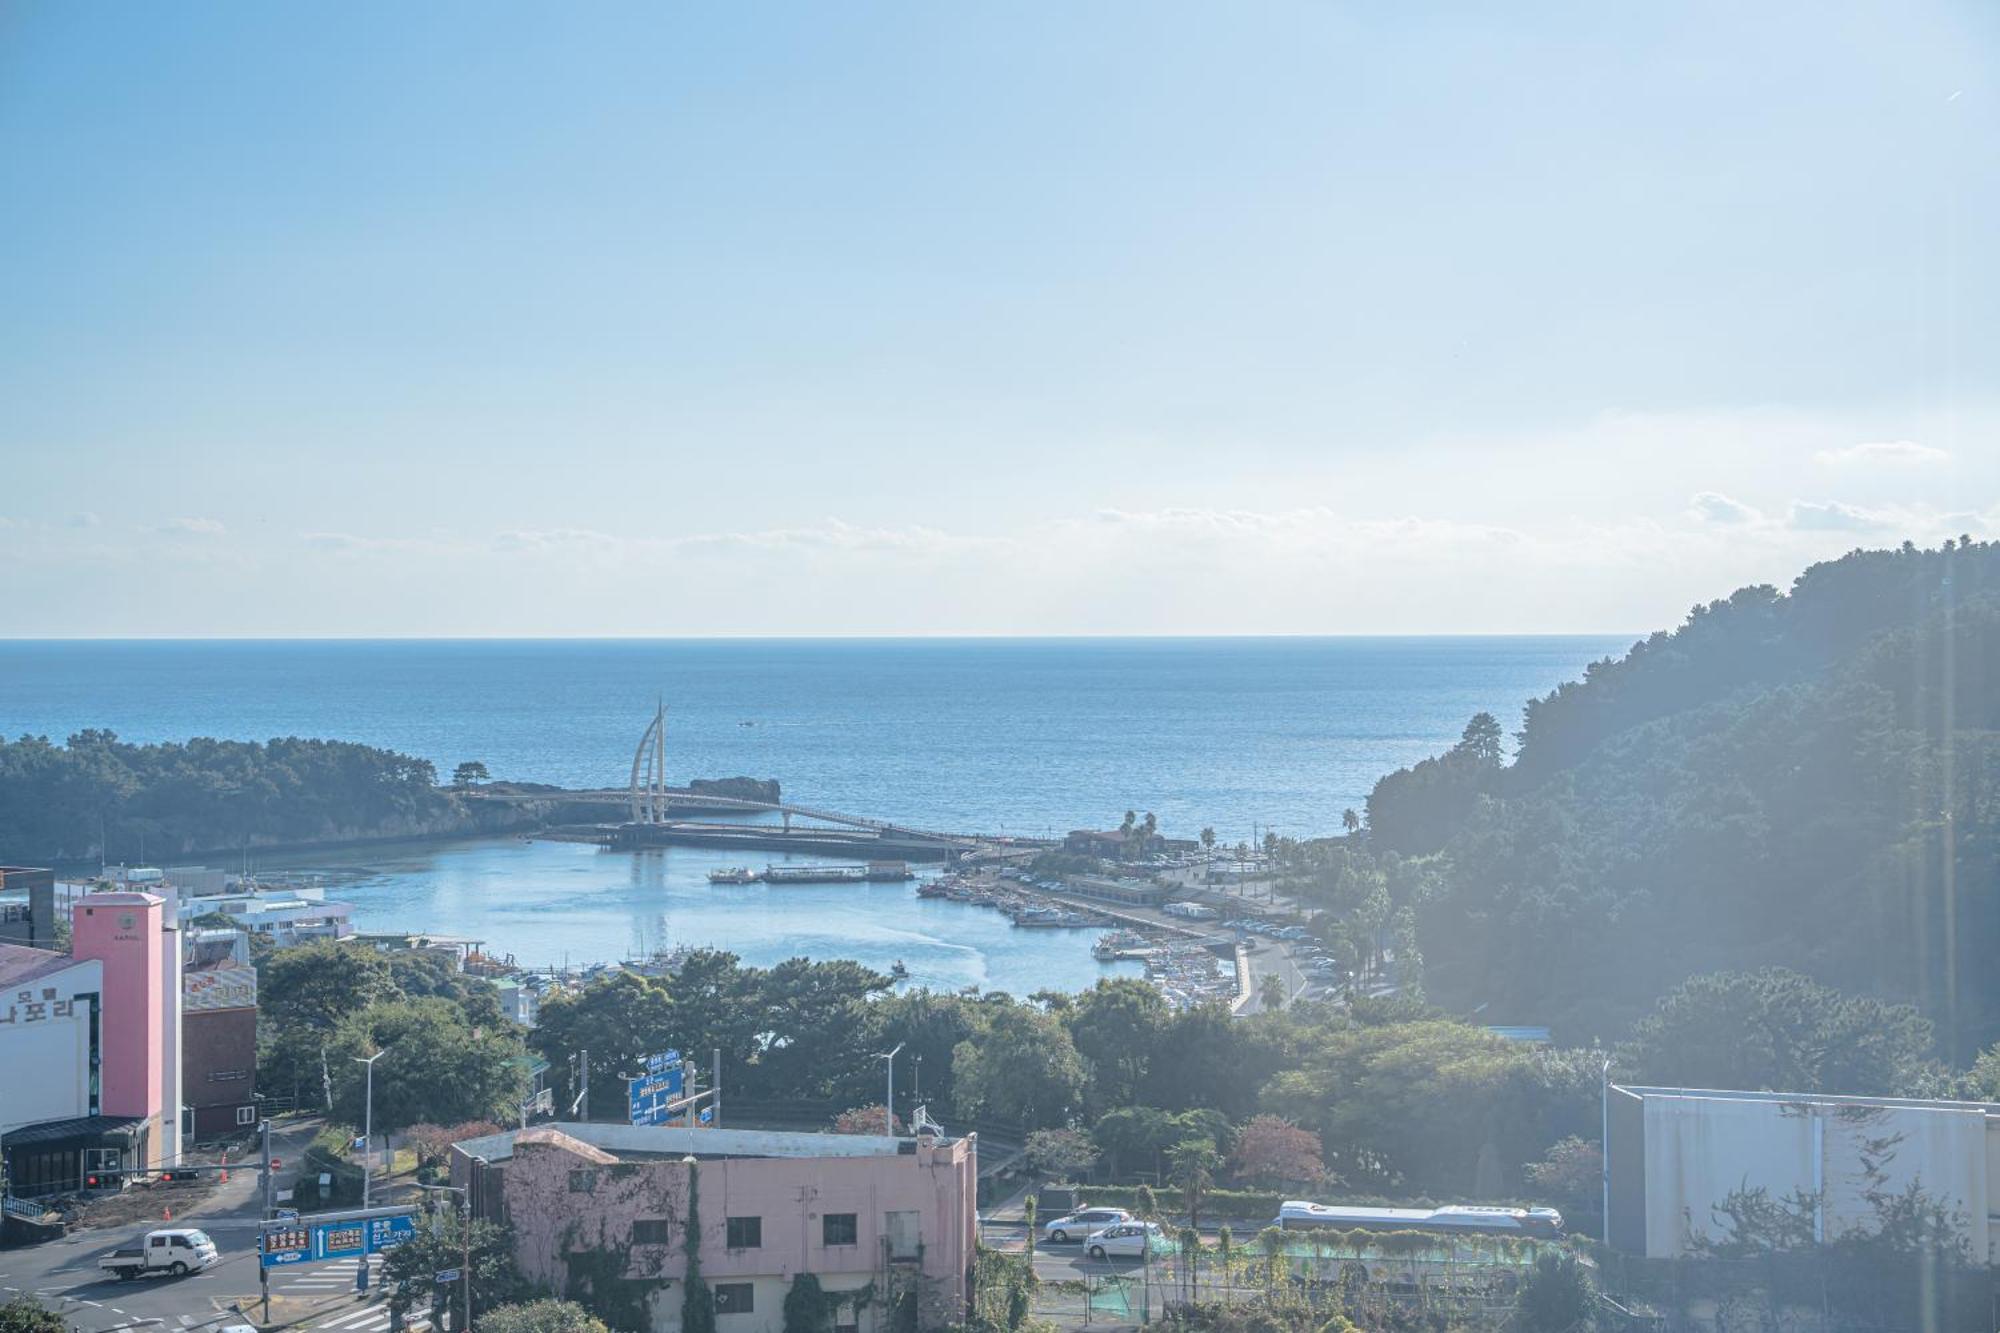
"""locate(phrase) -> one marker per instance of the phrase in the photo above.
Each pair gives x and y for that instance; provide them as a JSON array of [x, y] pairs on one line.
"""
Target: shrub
[[545, 1316]]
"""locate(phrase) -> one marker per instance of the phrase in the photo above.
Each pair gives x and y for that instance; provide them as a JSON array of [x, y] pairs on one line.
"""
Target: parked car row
[[1107, 1233]]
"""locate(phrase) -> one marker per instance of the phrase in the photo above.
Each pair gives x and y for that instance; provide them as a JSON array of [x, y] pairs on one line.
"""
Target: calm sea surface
[[1013, 735]]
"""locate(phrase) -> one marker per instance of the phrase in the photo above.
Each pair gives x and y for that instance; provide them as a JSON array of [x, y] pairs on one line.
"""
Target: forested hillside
[[97, 795], [1808, 780]]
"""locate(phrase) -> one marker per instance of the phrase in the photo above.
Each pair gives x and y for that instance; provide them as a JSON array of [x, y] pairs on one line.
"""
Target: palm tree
[[1208, 839], [1350, 821]]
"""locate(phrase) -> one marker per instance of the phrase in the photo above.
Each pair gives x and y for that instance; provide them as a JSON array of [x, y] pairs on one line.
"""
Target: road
[[64, 1274]]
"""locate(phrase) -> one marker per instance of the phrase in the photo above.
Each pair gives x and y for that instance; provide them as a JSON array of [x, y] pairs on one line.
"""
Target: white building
[[49, 1015], [287, 916], [1673, 1156]]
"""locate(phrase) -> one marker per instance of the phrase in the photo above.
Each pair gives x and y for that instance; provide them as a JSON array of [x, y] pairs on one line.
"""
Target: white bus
[[1458, 1219]]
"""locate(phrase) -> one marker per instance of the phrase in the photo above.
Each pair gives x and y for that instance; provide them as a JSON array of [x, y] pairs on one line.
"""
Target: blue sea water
[[1007, 735]]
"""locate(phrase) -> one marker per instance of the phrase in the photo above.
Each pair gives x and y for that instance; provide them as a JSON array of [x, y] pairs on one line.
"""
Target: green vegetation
[[25, 1314], [97, 795], [450, 1053], [409, 1271], [543, 1316], [697, 1300], [1807, 780]]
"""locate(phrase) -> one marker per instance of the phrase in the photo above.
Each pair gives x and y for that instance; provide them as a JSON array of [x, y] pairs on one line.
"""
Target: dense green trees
[[96, 795], [1807, 780], [1023, 1070], [451, 1054], [1779, 1031]]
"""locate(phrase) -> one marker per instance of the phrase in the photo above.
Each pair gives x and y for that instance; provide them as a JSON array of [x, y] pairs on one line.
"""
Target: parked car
[[170, 1250], [1083, 1223], [1126, 1240]]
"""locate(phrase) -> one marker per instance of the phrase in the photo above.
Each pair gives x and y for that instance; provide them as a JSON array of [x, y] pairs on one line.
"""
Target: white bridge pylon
[[649, 771]]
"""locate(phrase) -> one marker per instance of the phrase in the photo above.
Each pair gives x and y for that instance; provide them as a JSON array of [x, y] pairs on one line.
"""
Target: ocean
[[1005, 735]]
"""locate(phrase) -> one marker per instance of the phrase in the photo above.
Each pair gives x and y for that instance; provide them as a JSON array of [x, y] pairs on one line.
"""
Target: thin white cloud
[[1715, 507], [85, 519], [193, 527], [1889, 453]]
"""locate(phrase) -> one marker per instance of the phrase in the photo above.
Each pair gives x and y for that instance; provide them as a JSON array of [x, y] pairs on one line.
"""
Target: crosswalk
[[371, 1318], [325, 1279]]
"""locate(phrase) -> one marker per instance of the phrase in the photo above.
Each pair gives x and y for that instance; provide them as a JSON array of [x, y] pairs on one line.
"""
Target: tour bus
[[1459, 1219]]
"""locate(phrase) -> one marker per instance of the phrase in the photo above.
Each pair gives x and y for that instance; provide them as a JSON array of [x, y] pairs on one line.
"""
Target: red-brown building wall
[[219, 1068]]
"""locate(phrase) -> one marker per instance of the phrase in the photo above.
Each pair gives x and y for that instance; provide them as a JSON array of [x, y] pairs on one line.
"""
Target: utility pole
[[263, 1273], [583, 1097], [715, 1092]]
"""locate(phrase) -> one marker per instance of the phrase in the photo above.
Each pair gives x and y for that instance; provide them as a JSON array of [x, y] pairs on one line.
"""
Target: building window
[[746, 1233], [649, 1231], [582, 1182], [839, 1229], [246, 1115], [906, 1234], [735, 1298]]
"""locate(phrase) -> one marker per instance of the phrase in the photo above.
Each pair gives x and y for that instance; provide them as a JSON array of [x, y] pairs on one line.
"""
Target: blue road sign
[[447, 1275], [309, 1242], [649, 1094]]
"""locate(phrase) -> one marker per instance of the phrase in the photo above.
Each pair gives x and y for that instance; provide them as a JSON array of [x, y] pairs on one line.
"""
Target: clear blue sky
[[496, 319]]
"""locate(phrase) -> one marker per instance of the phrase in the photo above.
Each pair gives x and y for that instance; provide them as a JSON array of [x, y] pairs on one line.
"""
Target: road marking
[[186, 1320], [356, 1319], [95, 1305]]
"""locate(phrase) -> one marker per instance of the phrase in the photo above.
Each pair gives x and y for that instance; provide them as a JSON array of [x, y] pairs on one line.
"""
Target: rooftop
[[640, 1142], [1806, 1098], [20, 964]]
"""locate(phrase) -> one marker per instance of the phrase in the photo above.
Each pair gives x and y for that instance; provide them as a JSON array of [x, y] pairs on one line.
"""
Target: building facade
[[28, 907], [876, 1220], [137, 939], [1674, 1156], [219, 1034]]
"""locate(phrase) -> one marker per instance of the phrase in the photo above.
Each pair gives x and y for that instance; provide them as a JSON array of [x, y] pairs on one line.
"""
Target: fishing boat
[[733, 875]]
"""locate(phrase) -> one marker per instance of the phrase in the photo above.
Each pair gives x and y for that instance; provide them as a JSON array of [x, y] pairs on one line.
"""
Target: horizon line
[[812, 638]]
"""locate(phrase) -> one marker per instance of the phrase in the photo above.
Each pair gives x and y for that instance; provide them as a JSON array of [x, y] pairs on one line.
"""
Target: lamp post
[[889, 1106], [367, 1154], [464, 1194], [368, 1129]]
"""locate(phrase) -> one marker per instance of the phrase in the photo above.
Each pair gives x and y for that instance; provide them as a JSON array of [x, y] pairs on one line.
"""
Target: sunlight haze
[[1125, 319]]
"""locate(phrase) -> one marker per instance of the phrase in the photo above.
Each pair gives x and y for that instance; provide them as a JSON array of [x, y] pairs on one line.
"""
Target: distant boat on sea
[[733, 875]]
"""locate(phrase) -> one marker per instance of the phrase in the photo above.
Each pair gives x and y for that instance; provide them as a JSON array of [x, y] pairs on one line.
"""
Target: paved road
[[65, 1276]]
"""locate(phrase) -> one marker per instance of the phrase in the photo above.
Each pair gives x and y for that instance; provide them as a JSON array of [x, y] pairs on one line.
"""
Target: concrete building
[[1128, 892], [880, 1219], [52, 1130], [28, 906], [1673, 1156], [285, 916], [137, 939], [219, 1034]]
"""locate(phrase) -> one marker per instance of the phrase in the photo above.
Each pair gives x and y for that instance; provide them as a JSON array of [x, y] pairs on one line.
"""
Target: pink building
[[877, 1219], [138, 943]]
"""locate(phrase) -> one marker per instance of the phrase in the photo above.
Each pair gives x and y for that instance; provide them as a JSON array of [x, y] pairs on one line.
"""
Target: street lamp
[[889, 1106], [464, 1194], [368, 1131]]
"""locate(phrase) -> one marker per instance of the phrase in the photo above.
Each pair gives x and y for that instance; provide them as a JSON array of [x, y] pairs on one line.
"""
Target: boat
[[815, 874], [733, 875]]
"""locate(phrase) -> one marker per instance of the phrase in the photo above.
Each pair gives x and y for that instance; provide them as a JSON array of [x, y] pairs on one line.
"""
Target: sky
[[1149, 318]]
